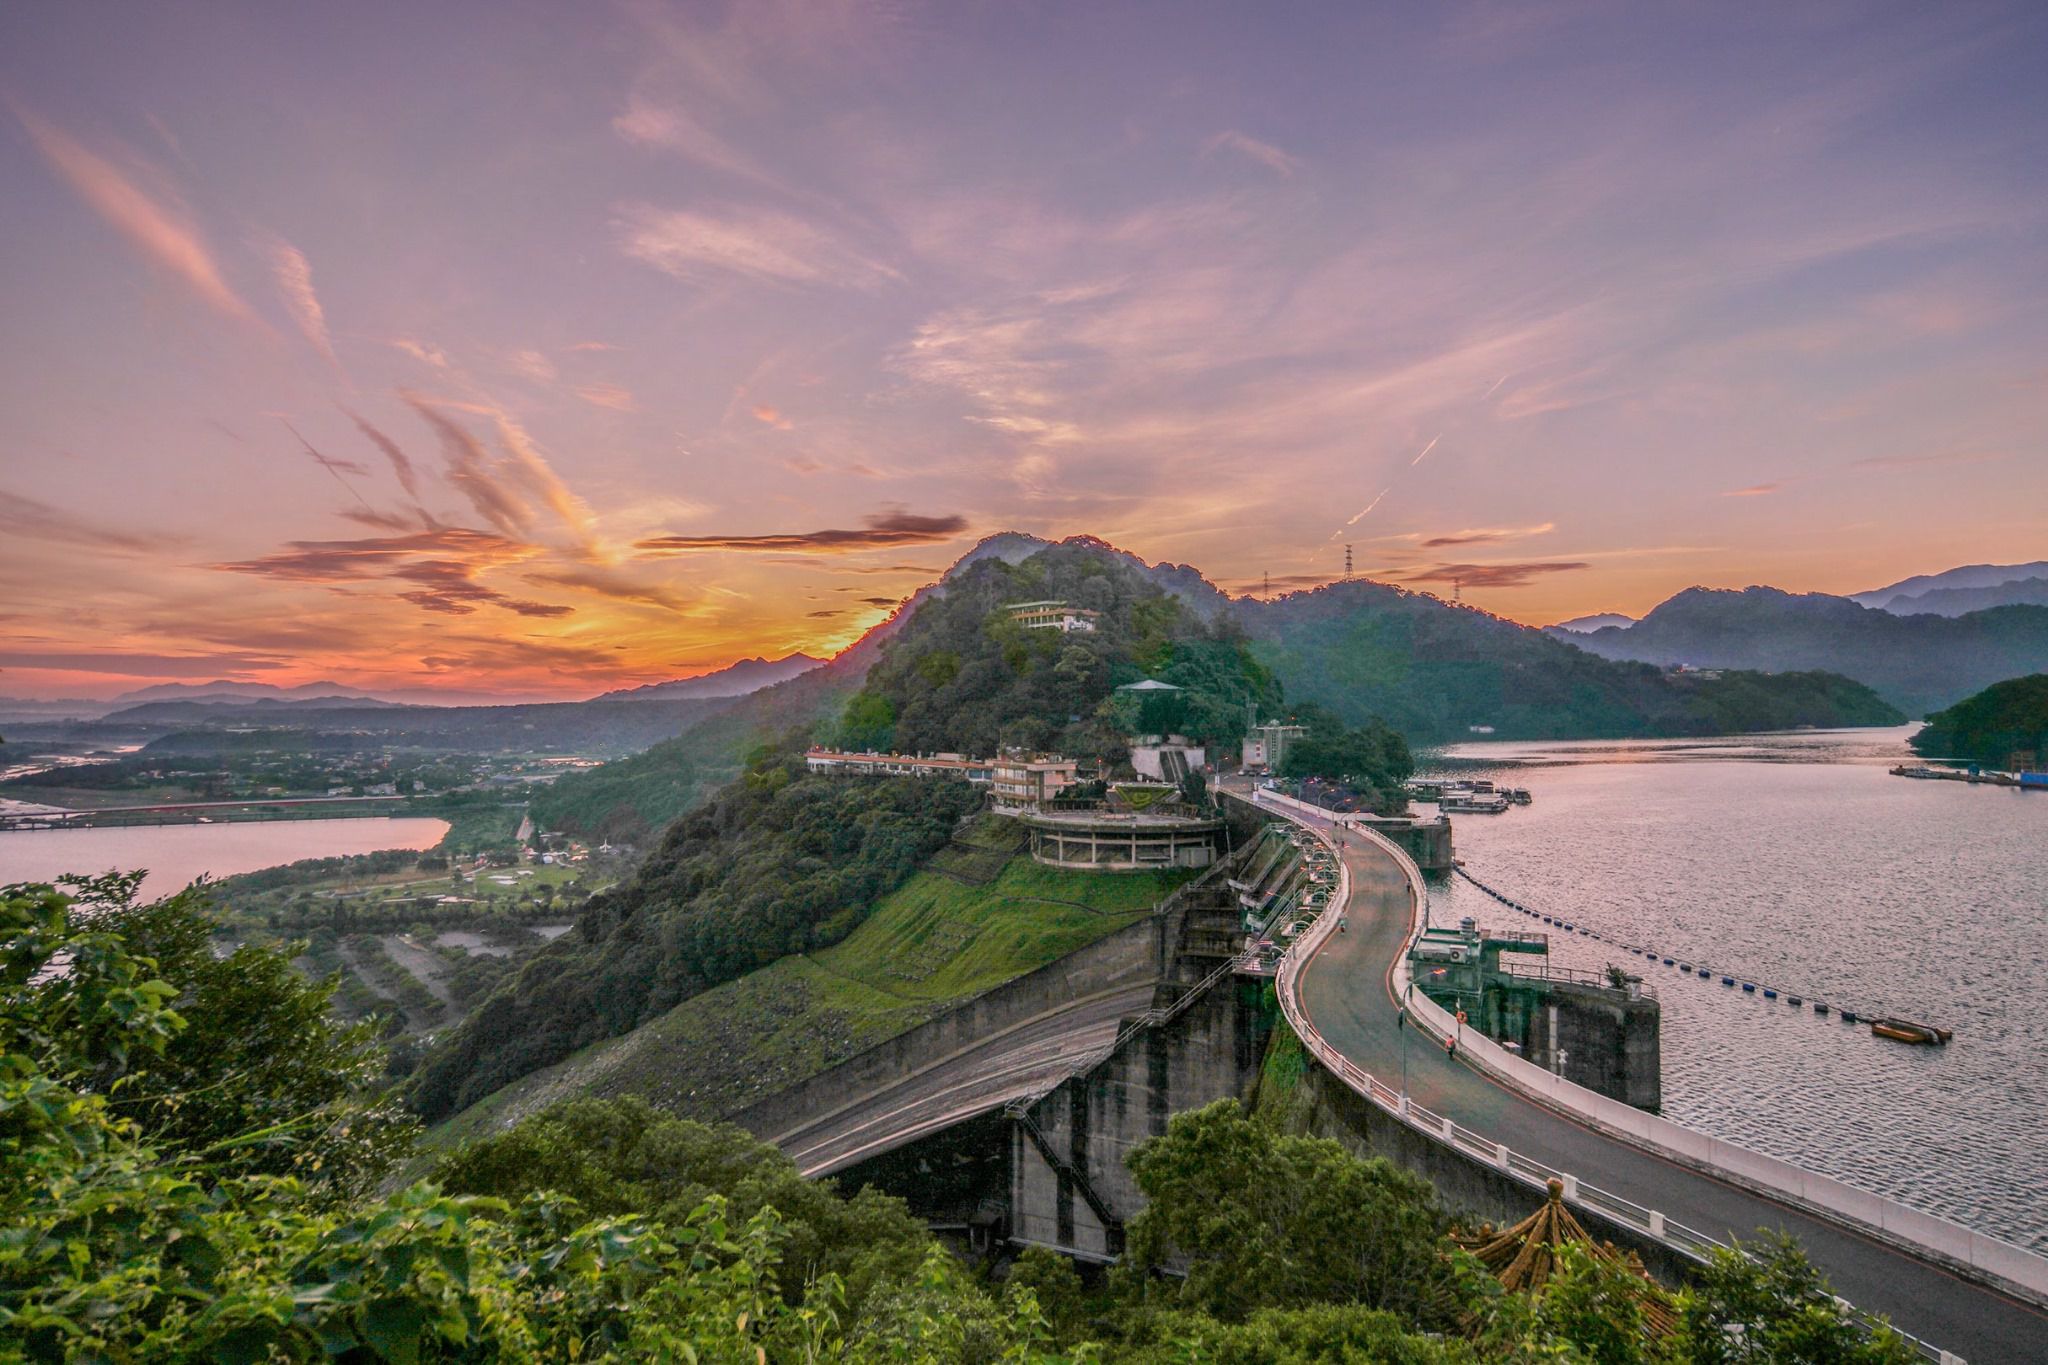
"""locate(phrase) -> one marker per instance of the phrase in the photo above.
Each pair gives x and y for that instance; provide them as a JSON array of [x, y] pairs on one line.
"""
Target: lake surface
[[1797, 861], [175, 854]]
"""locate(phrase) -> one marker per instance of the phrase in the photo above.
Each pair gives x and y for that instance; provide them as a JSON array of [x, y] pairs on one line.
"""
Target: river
[[175, 854], [1798, 861]]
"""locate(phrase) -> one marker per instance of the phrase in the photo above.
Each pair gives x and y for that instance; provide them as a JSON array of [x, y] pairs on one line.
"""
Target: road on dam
[[1347, 990], [1023, 1061]]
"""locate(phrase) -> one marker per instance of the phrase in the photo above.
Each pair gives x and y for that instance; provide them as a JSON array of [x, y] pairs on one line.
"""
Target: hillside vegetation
[[963, 677], [980, 914], [779, 862], [1432, 670], [2005, 718]]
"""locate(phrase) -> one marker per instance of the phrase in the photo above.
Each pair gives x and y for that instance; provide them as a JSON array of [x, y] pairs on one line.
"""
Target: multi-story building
[[1052, 616], [1021, 781]]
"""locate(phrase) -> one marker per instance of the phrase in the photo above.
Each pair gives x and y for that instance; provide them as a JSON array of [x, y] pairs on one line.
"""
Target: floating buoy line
[[1882, 1025]]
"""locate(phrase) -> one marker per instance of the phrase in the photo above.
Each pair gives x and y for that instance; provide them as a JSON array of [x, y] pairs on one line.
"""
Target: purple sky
[[538, 348]]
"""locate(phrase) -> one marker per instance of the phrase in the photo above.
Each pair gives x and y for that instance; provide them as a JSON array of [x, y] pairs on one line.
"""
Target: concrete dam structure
[[1009, 1120]]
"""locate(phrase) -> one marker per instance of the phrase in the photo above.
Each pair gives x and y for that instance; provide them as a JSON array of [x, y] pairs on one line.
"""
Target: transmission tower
[[1347, 560]]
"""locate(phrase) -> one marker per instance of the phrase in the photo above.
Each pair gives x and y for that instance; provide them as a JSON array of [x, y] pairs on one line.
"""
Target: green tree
[[1766, 1302], [1271, 1220]]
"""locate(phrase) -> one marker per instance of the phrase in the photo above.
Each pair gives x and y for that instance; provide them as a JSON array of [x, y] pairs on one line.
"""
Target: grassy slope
[[931, 944]]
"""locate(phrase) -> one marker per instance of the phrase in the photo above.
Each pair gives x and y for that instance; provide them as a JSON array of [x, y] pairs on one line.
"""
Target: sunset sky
[[533, 349]]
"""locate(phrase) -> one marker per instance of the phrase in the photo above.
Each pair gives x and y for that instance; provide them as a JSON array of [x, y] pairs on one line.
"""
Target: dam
[[1010, 1122]]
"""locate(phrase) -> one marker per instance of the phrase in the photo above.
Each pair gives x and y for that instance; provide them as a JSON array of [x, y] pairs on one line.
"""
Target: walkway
[[1346, 992]]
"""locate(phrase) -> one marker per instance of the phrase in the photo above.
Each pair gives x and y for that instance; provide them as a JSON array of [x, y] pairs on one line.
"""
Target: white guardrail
[[2011, 1267]]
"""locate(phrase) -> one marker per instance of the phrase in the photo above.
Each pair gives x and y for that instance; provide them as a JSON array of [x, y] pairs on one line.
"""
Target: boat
[[1474, 804], [1518, 795], [1907, 1031]]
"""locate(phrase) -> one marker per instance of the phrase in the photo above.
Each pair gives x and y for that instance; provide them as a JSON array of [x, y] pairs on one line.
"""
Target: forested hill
[[778, 862], [1918, 663], [1432, 670], [964, 677], [631, 800], [2004, 719]]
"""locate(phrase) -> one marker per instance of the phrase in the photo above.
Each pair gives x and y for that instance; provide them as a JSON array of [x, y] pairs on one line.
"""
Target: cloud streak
[[755, 244], [295, 281], [161, 231], [1492, 575], [1281, 163], [881, 531]]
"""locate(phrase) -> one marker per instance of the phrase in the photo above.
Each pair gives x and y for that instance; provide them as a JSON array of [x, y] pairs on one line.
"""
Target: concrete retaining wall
[[1131, 956]]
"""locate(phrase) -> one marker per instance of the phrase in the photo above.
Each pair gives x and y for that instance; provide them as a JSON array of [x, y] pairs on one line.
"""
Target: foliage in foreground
[[137, 1229]]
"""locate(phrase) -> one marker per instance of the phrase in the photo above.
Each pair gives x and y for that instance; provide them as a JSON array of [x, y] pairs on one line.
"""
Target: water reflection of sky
[[1798, 861]]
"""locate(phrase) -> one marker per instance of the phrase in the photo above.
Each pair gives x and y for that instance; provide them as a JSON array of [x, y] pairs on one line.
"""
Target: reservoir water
[[1798, 861], [175, 854]]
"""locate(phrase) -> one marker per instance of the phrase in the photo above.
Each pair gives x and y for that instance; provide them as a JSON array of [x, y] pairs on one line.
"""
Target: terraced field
[[937, 940]]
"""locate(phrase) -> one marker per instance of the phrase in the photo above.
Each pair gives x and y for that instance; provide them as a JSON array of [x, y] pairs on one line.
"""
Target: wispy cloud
[[501, 487], [881, 531], [1491, 575], [295, 281], [1264, 153], [613, 396], [669, 127], [618, 586], [534, 365], [1755, 490], [160, 228], [752, 243], [768, 416], [443, 567], [1488, 535], [424, 352], [401, 463], [29, 519]]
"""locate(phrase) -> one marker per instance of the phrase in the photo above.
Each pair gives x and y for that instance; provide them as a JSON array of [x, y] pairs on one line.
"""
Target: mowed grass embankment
[[933, 943]]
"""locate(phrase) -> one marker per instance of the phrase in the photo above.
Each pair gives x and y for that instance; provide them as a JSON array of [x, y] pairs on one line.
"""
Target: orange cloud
[[770, 417], [1755, 490], [160, 231]]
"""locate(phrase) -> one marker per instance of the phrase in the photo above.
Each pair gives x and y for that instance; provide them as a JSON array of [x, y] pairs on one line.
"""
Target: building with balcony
[[1029, 782], [1052, 616]]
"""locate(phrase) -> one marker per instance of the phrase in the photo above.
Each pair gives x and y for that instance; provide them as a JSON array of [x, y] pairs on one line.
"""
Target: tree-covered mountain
[[2004, 719], [1918, 663], [965, 677], [1433, 670]]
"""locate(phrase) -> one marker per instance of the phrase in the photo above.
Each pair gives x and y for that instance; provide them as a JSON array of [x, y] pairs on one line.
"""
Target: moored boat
[[1907, 1031]]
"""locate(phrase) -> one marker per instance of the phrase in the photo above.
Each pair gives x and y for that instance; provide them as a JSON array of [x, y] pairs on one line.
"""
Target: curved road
[[1346, 990]]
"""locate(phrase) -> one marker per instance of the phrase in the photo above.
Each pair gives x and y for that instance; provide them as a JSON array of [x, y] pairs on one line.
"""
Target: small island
[[2005, 726]]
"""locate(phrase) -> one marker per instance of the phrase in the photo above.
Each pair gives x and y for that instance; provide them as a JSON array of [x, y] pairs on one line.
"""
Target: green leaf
[[392, 1327]]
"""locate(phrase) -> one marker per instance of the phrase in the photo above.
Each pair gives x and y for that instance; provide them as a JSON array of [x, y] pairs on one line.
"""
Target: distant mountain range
[[223, 690], [734, 680], [1956, 591], [1582, 625], [1919, 663]]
